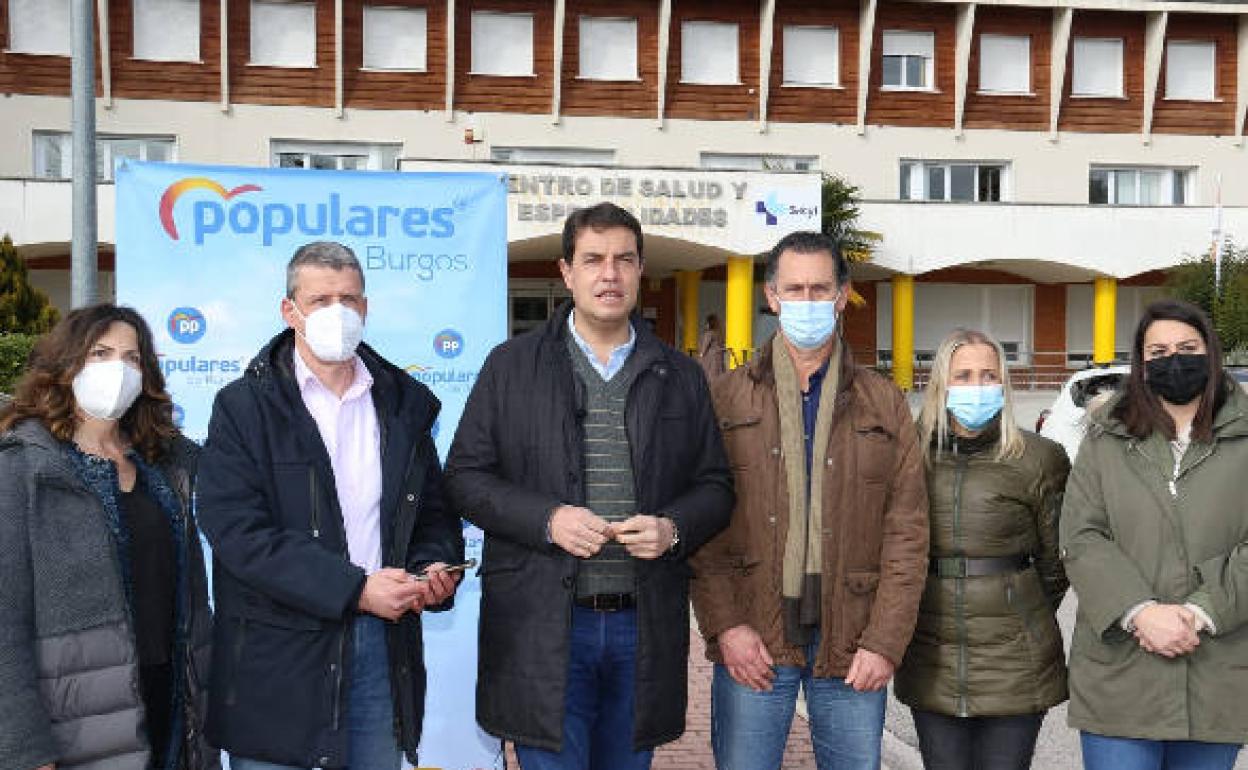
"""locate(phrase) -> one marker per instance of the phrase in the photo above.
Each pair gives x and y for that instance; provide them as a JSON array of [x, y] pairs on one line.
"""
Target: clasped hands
[[390, 592], [1168, 630], [582, 533]]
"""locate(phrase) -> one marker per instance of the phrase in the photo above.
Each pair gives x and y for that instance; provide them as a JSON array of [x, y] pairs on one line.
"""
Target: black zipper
[[314, 500]]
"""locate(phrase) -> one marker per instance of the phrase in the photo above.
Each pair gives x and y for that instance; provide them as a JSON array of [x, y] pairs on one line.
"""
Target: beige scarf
[[803, 547]]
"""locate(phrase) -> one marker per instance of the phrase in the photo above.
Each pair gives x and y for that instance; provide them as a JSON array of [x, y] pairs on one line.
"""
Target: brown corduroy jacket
[[875, 529]]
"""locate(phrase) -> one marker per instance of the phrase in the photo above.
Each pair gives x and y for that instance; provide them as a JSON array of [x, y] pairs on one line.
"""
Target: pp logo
[[187, 325], [448, 344]]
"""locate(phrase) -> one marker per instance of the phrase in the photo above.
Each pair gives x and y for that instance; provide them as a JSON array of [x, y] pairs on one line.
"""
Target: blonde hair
[[934, 417]]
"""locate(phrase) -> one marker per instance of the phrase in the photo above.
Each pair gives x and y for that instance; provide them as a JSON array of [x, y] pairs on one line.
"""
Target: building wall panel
[[1113, 114], [254, 84], [186, 81], [30, 74], [381, 90], [914, 108], [633, 99], [489, 93], [799, 104], [1020, 113], [718, 102], [1215, 118]]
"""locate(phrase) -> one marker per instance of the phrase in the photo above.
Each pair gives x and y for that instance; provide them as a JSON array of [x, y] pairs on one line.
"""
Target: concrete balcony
[[1046, 243], [38, 214]]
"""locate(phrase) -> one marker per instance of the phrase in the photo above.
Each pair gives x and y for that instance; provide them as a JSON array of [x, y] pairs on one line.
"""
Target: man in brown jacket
[[816, 582]]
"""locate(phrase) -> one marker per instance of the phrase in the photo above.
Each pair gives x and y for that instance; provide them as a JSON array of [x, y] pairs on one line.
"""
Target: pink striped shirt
[[349, 428]]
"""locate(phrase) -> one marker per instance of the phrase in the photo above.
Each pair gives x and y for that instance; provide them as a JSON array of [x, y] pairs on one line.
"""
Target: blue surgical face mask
[[974, 406], [808, 324]]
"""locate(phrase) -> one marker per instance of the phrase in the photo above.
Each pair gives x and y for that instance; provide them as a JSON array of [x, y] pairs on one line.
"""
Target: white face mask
[[332, 332], [107, 389]]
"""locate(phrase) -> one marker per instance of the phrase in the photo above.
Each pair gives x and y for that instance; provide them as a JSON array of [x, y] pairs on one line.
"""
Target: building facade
[[1032, 165]]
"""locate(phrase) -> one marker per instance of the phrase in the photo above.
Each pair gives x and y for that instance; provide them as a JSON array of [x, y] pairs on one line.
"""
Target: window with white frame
[[502, 44], [334, 156], [1096, 67], [1142, 186], [812, 56], [39, 27], [166, 30], [559, 156], [1005, 64], [957, 181], [283, 33], [395, 38], [909, 59], [1190, 70], [727, 161], [608, 48], [709, 53], [54, 153], [1003, 310]]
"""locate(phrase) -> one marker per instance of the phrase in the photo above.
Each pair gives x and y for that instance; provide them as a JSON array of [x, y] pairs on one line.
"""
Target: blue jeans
[[749, 729], [598, 711], [1104, 752], [369, 709]]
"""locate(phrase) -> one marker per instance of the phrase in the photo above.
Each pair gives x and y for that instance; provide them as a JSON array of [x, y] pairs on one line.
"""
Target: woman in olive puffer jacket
[[986, 660]]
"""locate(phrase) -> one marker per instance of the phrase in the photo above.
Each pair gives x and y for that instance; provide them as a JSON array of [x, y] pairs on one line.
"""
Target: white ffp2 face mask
[[107, 389], [332, 332]]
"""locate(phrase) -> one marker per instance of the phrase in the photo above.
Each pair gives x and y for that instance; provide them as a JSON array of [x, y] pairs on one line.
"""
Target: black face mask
[[1178, 378]]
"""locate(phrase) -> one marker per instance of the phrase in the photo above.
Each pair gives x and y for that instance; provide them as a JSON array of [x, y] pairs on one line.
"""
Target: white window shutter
[[1097, 67], [812, 55], [1190, 70], [395, 38], [502, 44], [166, 30], [608, 48], [903, 43], [283, 34], [39, 27], [708, 53], [1005, 64]]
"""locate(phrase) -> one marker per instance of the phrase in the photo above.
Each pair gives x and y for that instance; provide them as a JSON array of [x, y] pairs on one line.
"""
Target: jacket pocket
[[741, 438], [255, 608], [875, 451], [855, 612]]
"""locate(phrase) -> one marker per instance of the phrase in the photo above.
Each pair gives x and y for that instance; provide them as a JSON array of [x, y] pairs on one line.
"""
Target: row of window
[[283, 34], [920, 180]]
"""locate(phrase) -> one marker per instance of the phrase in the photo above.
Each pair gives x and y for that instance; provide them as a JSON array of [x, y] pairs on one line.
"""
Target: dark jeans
[[1105, 752], [598, 715], [976, 743]]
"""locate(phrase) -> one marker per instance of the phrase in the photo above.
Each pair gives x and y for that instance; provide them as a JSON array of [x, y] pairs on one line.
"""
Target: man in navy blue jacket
[[321, 495]]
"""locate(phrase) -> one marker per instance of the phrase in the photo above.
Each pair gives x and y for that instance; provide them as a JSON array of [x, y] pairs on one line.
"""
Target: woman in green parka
[[986, 661], [1154, 536]]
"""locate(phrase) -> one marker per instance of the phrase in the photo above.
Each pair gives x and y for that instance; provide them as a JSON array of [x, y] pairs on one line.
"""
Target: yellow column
[[739, 309], [688, 282], [1104, 319], [903, 331]]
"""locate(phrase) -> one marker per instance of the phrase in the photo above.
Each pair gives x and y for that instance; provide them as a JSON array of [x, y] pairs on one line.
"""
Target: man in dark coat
[[321, 495], [589, 455]]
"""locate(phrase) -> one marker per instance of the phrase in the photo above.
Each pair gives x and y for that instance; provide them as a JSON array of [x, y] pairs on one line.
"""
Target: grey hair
[[330, 254]]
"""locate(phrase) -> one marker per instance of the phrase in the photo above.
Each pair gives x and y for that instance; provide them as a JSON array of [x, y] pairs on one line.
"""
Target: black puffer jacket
[[69, 690], [286, 591], [516, 457]]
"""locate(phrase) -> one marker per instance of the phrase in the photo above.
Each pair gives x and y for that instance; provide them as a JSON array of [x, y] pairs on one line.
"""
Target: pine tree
[[23, 308]]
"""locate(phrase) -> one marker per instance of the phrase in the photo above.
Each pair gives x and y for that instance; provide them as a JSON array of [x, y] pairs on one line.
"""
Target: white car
[[1066, 421]]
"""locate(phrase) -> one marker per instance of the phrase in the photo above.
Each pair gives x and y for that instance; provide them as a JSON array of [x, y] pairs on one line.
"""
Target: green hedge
[[14, 349]]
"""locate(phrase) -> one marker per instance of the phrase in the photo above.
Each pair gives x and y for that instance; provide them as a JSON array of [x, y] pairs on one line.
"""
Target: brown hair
[[45, 392], [1140, 410]]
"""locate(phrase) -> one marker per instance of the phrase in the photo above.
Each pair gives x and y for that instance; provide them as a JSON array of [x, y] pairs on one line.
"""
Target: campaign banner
[[202, 253]]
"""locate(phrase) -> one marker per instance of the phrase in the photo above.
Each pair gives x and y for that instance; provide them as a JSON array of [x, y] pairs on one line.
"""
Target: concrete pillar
[[903, 331], [739, 309], [1104, 319], [687, 283]]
